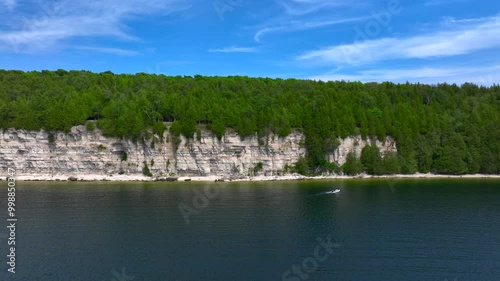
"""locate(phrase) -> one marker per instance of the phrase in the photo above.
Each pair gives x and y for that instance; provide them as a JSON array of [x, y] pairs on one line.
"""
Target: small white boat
[[333, 191]]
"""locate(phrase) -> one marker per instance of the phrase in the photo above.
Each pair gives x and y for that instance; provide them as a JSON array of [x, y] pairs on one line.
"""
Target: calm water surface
[[381, 229]]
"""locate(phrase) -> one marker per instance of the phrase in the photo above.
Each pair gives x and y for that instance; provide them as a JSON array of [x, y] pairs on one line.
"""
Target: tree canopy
[[441, 128]]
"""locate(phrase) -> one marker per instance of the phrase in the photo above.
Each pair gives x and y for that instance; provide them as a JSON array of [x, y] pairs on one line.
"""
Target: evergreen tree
[[352, 165]]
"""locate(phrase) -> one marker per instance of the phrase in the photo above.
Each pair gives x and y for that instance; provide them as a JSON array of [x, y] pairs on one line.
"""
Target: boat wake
[[332, 191]]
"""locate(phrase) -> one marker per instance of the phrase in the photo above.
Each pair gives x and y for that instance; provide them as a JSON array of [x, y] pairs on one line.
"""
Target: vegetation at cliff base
[[444, 128]]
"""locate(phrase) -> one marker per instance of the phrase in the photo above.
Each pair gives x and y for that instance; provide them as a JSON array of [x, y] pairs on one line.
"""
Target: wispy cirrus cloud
[[463, 37], [109, 50], [442, 2], [302, 7], [303, 25], [42, 27], [302, 15], [235, 49]]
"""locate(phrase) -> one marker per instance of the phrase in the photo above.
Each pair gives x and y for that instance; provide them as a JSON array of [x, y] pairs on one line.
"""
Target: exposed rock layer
[[83, 152]]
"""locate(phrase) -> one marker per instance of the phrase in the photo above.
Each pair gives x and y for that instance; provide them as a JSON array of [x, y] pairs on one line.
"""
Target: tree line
[[445, 129]]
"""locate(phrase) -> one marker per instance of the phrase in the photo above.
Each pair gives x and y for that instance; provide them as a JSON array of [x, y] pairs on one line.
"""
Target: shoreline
[[290, 177]]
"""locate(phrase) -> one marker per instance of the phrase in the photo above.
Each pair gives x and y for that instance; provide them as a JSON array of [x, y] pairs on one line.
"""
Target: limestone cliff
[[81, 152]]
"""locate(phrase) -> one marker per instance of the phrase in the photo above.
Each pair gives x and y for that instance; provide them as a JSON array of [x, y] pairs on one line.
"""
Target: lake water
[[371, 230]]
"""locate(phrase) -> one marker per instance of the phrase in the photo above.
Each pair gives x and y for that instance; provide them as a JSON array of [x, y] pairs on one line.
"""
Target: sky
[[427, 41]]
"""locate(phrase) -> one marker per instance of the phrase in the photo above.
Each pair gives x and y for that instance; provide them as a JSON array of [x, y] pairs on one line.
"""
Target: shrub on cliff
[[258, 167], [301, 166], [146, 171], [51, 138], [90, 126]]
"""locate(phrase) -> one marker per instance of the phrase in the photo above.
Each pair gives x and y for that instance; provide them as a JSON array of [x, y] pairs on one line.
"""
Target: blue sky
[[428, 41]]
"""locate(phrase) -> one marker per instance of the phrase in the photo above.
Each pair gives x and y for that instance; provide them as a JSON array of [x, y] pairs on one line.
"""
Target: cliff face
[[78, 152], [235, 156], [83, 152]]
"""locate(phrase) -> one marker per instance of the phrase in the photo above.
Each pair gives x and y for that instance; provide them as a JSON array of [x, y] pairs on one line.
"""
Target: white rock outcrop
[[356, 144], [83, 152], [234, 156]]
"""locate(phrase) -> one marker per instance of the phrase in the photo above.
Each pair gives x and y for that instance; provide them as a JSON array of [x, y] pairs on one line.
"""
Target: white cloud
[[463, 38], [302, 7], [234, 49], [302, 25], [107, 50], [78, 19], [300, 15], [483, 75], [441, 2]]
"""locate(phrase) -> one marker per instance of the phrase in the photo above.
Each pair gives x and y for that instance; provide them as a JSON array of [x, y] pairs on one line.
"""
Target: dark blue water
[[371, 230]]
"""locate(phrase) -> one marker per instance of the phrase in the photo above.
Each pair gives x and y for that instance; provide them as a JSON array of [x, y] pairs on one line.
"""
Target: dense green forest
[[446, 129]]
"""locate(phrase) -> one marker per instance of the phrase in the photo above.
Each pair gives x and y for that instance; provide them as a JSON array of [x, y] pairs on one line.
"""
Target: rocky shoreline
[[290, 177]]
